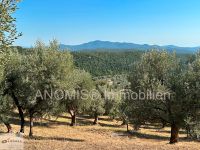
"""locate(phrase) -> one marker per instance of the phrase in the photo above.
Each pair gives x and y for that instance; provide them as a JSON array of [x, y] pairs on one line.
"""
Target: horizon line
[[121, 42]]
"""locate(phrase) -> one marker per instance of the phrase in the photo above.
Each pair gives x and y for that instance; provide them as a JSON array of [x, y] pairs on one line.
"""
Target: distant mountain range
[[123, 46]]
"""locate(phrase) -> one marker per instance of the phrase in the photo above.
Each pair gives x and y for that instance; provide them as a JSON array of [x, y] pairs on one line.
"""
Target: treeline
[[106, 63], [103, 62]]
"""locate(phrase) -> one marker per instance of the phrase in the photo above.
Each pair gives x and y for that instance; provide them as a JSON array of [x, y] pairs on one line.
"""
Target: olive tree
[[46, 70], [193, 94], [42, 68], [77, 98], [11, 82], [8, 34], [8, 31], [160, 72], [97, 106]]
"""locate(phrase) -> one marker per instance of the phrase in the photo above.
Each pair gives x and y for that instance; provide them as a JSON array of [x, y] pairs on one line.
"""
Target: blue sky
[[160, 22]]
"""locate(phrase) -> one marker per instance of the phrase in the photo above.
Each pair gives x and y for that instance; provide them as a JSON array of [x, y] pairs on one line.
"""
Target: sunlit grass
[[56, 134]]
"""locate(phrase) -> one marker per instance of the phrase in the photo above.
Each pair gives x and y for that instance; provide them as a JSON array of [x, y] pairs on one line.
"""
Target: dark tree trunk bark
[[31, 125], [73, 120], [21, 114], [9, 128], [73, 116], [95, 119], [127, 127], [174, 133]]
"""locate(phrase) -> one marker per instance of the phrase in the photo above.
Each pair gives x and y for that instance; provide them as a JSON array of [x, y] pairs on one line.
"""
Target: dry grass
[[109, 135]]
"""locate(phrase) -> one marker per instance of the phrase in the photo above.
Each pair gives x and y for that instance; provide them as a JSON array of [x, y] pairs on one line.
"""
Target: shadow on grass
[[80, 119], [164, 131], [65, 117], [55, 122], [152, 127], [16, 121], [186, 139], [109, 125], [84, 120], [54, 139], [140, 135], [106, 119], [85, 116], [136, 134]]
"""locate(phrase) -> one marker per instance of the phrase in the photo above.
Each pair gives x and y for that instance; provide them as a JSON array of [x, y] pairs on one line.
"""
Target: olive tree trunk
[[73, 117], [174, 133], [31, 125], [21, 114], [73, 120], [95, 119], [8, 126]]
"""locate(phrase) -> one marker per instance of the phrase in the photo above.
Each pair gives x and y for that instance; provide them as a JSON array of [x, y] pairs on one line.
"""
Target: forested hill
[[106, 63], [112, 63], [103, 62]]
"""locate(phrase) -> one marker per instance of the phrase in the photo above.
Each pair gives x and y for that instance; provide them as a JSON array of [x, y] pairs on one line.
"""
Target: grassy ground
[[54, 134]]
